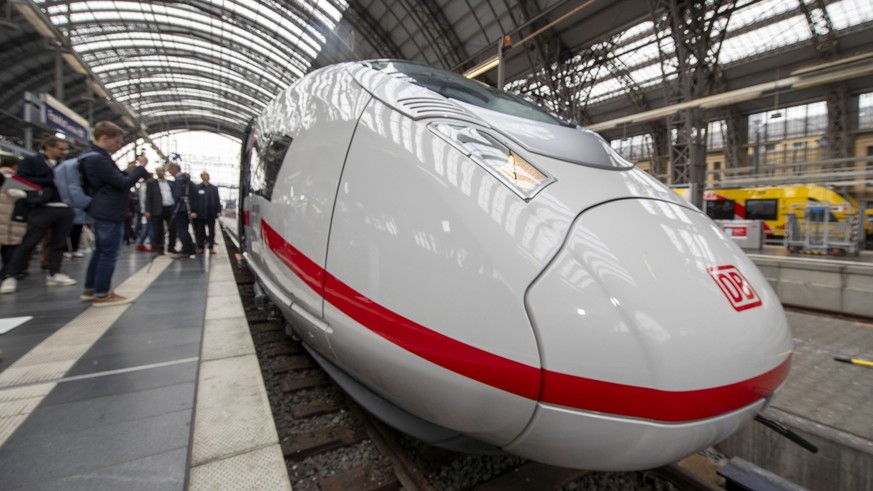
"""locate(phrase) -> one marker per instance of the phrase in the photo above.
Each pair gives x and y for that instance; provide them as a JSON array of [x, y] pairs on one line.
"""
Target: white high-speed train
[[485, 276]]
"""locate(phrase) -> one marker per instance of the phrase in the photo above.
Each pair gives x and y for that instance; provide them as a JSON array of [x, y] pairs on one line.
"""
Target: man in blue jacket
[[54, 216], [109, 189]]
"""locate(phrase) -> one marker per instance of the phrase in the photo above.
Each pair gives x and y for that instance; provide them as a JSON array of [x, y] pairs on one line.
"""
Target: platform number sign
[[735, 287]]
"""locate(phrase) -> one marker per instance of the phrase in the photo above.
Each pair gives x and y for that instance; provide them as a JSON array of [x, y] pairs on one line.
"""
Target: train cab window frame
[[762, 209], [265, 168]]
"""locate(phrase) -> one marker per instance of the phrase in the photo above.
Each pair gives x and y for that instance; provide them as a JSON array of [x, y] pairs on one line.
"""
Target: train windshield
[[454, 86]]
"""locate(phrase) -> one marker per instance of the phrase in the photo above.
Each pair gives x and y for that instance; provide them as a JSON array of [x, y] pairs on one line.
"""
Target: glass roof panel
[[214, 59], [849, 13], [176, 78], [166, 64], [767, 38]]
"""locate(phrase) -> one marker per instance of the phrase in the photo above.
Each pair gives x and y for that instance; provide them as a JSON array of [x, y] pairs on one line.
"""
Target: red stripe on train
[[517, 378]]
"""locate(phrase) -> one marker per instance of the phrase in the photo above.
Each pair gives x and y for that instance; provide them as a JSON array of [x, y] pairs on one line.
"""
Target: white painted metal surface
[[600, 315]]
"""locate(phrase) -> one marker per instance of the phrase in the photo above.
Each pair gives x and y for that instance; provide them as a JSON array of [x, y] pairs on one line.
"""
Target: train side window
[[762, 209], [271, 157], [721, 209]]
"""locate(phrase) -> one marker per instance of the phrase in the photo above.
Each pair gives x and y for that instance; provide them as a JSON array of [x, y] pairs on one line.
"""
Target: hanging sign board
[[60, 117]]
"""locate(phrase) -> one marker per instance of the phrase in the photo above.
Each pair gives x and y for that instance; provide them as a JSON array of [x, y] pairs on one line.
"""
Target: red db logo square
[[733, 284]]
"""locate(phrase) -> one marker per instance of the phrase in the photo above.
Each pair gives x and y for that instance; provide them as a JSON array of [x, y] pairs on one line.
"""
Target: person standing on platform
[[208, 210], [145, 231], [11, 231], [185, 195], [109, 191], [159, 208], [53, 216]]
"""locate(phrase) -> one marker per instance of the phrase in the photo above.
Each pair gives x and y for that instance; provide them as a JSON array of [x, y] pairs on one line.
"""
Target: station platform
[[164, 393]]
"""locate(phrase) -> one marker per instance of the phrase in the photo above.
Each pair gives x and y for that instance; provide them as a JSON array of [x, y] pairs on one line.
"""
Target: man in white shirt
[[159, 207]]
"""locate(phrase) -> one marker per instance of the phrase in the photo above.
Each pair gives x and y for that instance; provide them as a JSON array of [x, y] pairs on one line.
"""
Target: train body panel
[[564, 437], [304, 166], [606, 306], [495, 286]]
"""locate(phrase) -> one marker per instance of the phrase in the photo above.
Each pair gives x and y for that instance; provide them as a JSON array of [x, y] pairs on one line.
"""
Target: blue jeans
[[107, 241], [146, 234]]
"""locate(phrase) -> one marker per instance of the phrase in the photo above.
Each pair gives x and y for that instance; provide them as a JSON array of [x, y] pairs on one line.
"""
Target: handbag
[[38, 197], [20, 210]]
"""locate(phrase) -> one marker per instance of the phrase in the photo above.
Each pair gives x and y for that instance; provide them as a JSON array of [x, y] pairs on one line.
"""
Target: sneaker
[[9, 285], [78, 254], [110, 300], [211, 251], [59, 279], [68, 255], [87, 295], [141, 248]]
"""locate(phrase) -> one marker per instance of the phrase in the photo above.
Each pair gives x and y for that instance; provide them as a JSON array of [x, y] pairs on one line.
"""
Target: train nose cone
[[650, 313], [650, 294]]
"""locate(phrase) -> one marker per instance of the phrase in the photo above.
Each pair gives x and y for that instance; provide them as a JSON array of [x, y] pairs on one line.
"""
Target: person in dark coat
[[187, 202], [209, 208], [53, 216], [110, 189]]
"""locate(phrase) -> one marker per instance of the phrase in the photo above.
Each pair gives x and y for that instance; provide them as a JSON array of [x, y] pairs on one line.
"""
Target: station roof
[[213, 64]]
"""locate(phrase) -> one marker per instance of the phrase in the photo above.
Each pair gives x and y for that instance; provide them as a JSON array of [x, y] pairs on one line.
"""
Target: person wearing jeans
[[109, 189]]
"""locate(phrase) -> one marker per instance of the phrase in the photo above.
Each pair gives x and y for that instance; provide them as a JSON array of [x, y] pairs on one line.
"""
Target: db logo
[[733, 284]]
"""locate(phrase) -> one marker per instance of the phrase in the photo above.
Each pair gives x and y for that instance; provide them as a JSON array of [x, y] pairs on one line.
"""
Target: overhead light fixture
[[35, 16], [482, 67], [75, 63]]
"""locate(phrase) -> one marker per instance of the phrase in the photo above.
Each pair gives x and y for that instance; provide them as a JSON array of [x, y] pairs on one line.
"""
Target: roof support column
[[839, 144], [697, 30]]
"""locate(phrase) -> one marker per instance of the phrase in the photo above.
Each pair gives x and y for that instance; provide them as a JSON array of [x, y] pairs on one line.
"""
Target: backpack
[[83, 181]]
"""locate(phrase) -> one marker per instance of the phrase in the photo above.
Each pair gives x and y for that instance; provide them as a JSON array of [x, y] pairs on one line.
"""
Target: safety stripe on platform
[[235, 444], [27, 381]]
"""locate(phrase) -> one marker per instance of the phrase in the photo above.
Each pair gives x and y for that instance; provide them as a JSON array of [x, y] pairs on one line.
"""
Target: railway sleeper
[[298, 383], [295, 362], [364, 478], [302, 445], [315, 408]]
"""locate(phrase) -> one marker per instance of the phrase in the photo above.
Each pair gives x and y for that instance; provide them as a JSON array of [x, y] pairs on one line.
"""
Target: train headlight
[[495, 157]]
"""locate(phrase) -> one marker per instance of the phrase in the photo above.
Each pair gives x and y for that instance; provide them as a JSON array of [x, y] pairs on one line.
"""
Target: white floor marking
[[27, 381], [10, 323]]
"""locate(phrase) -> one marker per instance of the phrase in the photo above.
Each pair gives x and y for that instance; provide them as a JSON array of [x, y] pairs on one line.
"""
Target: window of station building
[[634, 148], [721, 209], [865, 111], [762, 209], [715, 131], [789, 122]]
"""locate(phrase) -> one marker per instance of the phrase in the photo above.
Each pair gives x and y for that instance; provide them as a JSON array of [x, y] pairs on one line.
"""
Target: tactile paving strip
[[235, 444]]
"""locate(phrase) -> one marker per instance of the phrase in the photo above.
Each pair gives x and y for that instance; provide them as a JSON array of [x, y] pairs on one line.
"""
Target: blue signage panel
[[60, 121], [60, 117]]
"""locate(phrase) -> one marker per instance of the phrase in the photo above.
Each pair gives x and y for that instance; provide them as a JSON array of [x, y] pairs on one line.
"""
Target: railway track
[[331, 444]]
